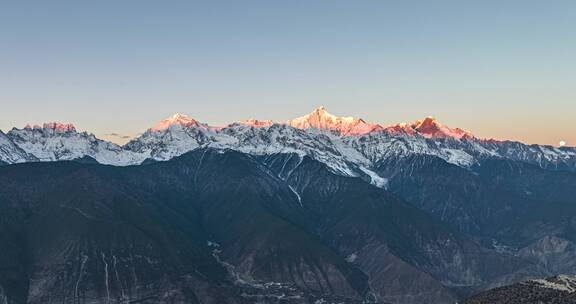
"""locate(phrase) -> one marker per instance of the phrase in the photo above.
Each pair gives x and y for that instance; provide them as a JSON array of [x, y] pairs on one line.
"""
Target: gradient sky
[[501, 69]]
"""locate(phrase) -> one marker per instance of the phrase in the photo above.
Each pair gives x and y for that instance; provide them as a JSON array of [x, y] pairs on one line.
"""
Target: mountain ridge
[[350, 146], [319, 118]]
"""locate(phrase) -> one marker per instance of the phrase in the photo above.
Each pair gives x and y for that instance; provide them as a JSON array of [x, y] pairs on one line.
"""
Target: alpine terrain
[[317, 209]]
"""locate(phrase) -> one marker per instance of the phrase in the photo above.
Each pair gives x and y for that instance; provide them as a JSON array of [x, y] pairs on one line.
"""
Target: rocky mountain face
[[506, 205], [400, 243], [223, 227], [54, 141], [559, 289], [546, 157], [208, 227], [10, 153]]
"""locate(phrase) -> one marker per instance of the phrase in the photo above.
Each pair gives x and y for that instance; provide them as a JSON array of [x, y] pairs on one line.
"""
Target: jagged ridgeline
[[348, 145]]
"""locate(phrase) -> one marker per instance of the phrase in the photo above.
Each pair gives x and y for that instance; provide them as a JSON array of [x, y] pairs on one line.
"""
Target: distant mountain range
[[319, 209], [348, 145]]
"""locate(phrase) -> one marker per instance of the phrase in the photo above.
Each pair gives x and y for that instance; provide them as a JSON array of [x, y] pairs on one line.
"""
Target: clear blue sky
[[503, 69]]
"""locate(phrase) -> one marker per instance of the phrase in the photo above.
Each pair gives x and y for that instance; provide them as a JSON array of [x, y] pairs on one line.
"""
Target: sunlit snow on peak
[[321, 119], [176, 119], [431, 128]]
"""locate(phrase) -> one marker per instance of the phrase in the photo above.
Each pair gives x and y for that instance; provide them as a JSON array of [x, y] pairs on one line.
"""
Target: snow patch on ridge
[[376, 179], [561, 282], [297, 195]]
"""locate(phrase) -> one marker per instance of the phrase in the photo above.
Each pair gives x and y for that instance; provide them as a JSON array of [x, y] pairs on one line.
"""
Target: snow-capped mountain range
[[350, 146]]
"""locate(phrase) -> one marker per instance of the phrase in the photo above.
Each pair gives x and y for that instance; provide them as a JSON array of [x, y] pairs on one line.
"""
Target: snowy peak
[[321, 119], [175, 120], [431, 128], [172, 137]]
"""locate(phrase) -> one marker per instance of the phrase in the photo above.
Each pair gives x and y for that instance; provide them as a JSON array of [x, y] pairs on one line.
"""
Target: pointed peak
[[320, 109], [321, 119], [176, 119], [430, 119], [179, 116], [427, 121], [431, 128], [322, 112]]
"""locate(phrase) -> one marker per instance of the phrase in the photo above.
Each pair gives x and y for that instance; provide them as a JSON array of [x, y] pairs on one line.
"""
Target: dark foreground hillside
[[216, 226], [80, 233]]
